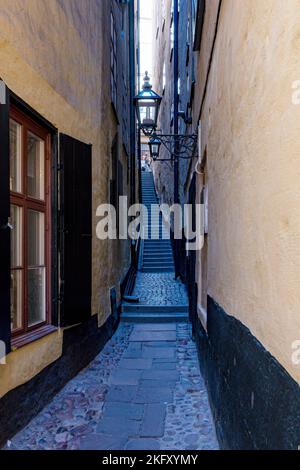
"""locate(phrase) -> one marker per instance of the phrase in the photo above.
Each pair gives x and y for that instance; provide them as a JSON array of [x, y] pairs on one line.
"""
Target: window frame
[[113, 61], [21, 199]]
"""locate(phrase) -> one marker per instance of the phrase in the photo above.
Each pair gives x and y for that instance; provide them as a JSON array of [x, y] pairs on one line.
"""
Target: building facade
[[237, 78], [67, 145]]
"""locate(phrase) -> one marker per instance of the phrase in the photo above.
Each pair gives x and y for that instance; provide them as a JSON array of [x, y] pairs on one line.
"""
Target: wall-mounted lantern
[[147, 104], [154, 145]]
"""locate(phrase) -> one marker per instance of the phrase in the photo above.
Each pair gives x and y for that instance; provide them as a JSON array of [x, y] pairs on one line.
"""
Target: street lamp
[[154, 145], [147, 104]]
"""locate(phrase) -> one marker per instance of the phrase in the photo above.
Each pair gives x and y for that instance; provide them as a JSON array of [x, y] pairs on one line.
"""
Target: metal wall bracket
[[180, 146]]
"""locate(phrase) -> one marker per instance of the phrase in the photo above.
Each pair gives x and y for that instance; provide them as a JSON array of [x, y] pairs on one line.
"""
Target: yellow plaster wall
[[252, 133], [28, 361], [55, 55]]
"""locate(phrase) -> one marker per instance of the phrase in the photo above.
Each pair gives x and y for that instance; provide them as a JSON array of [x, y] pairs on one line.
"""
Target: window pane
[[35, 238], [36, 296], [35, 166], [16, 236], [16, 299], [15, 138]]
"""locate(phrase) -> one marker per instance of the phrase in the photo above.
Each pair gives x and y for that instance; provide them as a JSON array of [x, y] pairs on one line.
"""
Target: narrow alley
[[149, 228], [144, 391]]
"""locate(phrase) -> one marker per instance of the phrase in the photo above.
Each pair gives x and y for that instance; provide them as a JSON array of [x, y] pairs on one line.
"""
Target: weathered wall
[[251, 131], [202, 59], [55, 55], [163, 60], [163, 63]]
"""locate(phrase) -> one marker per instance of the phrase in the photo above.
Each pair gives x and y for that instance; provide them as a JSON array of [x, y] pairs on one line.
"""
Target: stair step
[[158, 270], [158, 263], [127, 307], [161, 242], [158, 249], [151, 254], [165, 241], [158, 255], [161, 317]]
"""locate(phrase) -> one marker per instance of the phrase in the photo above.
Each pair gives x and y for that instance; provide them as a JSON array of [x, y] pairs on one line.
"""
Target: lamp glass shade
[[154, 145], [147, 104]]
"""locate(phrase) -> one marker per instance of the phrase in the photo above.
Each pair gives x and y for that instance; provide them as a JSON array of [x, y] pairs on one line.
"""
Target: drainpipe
[[176, 119]]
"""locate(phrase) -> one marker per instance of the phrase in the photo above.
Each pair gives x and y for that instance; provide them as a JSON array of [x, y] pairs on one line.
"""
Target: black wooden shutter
[[76, 230], [4, 215]]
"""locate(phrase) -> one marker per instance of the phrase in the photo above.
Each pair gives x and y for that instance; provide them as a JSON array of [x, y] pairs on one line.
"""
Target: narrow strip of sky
[[146, 37]]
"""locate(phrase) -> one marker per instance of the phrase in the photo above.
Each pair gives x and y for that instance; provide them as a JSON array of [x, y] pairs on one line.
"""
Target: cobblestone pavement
[[160, 289], [143, 391]]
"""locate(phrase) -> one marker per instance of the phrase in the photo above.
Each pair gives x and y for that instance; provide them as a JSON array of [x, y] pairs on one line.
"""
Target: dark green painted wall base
[[256, 403], [81, 344]]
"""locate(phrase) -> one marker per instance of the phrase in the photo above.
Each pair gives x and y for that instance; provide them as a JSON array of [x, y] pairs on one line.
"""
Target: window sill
[[32, 336]]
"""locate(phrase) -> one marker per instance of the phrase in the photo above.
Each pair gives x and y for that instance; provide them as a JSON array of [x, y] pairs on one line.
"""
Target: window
[[164, 78], [171, 37], [194, 16], [172, 116], [113, 61], [187, 43], [30, 238], [188, 84]]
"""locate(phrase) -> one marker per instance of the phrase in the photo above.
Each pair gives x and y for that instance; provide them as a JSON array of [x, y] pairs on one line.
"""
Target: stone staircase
[[157, 255], [162, 299]]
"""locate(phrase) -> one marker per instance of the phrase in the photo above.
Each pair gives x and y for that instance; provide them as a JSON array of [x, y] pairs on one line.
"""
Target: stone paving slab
[[154, 421], [134, 351], [142, 444], [155, 327], [157, 383], [139, 364], [129, 411], [147, 394], [152, 336], [164, 365], [123, 394], [125, 377], [102, 442], [114, 426], [162, 375], [161, 353], [159, 344]]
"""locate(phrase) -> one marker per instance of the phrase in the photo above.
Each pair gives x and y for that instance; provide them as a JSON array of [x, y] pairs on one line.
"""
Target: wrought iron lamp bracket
[[180, 146]]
